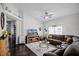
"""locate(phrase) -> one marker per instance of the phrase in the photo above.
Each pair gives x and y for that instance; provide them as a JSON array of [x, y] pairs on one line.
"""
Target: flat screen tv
[[32, 32]]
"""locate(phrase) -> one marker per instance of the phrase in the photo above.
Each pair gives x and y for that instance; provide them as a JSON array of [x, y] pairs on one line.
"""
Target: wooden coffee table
[[39, 51]]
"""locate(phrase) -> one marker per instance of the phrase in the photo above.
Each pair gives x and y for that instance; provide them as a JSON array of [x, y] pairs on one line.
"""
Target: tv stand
[[31, 39]]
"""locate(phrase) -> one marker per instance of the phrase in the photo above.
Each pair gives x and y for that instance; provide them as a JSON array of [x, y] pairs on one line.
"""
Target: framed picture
[[2, 20]]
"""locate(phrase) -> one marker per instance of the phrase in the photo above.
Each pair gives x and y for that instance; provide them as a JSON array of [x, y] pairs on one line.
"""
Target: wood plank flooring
[[21, 50]]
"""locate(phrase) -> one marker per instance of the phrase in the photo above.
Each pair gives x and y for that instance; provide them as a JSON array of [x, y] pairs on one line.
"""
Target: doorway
[[11, 29]]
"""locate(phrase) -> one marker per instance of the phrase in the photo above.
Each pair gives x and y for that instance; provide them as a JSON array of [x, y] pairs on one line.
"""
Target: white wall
[[12, 8], [70, 24], [30, 21]]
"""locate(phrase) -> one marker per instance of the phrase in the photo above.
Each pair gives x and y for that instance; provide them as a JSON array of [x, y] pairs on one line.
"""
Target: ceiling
[[58, 9]]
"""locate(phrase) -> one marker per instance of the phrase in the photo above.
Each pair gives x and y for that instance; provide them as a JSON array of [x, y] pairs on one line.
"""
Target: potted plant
[[4, 34]]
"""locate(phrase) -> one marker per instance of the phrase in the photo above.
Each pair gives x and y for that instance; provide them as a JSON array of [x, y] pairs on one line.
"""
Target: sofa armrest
[[49, 54]]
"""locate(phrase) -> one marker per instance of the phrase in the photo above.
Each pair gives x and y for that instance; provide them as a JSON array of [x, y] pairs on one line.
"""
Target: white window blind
[[55, 30]]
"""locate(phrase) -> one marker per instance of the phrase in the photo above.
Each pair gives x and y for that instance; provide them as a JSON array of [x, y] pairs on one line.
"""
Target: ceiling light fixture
[[47, 15]]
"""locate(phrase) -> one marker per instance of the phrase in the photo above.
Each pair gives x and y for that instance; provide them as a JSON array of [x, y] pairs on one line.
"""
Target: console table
[[31, 39]]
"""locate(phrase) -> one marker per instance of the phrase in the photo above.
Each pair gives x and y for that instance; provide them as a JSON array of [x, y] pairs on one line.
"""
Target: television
[[32, 32]]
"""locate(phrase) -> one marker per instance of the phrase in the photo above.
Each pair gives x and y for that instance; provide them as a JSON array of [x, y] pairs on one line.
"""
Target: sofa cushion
[[69, 41], [54, 42], [59, 52], [59, 37], [72, 50]]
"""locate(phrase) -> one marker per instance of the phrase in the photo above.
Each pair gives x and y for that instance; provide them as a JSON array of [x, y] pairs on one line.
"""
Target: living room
[[41, 29]]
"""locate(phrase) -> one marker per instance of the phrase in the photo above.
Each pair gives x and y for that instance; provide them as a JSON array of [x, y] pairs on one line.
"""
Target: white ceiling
[[59, 9]]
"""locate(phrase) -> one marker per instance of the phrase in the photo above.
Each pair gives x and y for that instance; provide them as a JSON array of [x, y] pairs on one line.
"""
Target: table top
[[39, 51]]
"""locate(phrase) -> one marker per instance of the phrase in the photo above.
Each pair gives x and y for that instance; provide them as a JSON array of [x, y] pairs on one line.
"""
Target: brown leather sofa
[[71, 50], [58, 39]]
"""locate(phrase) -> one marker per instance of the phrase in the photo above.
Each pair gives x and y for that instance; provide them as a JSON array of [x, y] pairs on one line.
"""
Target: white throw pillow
[[76, 39]]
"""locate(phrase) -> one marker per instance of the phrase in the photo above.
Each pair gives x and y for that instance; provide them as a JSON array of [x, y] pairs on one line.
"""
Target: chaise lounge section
[[71, 50]]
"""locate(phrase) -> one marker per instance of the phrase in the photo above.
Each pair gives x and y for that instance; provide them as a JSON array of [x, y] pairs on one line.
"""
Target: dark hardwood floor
[[21, 50]]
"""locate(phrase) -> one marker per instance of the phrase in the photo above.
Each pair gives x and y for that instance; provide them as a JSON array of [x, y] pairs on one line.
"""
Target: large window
[[55, 30]]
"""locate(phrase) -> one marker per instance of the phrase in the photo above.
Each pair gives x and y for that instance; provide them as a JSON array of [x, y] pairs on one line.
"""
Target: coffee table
[[39, 51]]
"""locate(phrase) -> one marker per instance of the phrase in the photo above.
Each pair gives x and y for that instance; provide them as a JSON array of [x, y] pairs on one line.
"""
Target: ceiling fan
[[47, 14]]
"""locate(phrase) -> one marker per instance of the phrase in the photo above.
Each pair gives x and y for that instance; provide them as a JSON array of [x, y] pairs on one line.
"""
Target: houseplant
[[4, 34]]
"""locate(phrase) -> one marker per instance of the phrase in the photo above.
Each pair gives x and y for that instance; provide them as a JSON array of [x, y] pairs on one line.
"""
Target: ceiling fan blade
[[51, 14], [42, 16], [52, 10]]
